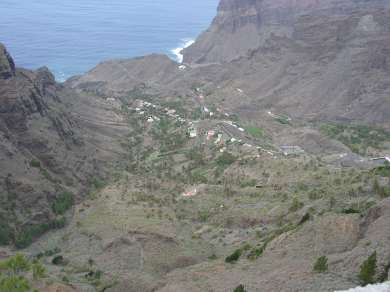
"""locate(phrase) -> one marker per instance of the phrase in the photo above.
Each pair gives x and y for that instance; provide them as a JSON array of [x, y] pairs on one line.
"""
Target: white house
[[291, 150], [193, 132]]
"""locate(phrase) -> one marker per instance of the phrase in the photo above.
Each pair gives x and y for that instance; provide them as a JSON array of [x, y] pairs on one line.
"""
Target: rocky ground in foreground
[[218, 209]]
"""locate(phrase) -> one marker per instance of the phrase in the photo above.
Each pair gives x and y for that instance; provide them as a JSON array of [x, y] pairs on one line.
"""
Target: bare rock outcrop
[[314, 59]]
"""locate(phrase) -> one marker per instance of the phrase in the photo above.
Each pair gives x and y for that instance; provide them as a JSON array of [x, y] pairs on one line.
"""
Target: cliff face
[[244, 25], [46, 147], [313, 59]]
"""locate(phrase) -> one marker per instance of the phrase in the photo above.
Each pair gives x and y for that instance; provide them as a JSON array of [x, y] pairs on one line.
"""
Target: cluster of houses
[[143, 108], [291, 150], [223, 133]]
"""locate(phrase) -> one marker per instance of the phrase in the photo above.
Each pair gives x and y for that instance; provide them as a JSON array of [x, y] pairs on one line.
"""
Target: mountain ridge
[[46, 149]]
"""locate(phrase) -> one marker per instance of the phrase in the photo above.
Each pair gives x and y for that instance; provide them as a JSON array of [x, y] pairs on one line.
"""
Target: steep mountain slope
[[228, 177], [317, 60], [312, 60], [52, 141], [245, 25]]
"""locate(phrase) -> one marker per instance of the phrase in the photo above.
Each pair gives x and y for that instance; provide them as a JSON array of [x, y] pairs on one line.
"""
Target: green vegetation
[[383, 171], [225, 159], [368, 270], [35, 163], [239, 288], [98, 183], [25, 236], [248, 183], [256, 252], [255, 131], [357, 137], [14, 274], [58, 260], [5, 233], [23, 239], [62, 203], [382, 191], [296, 205], [235, 256], [39, 271], [350, 211], [283, 120], [321, 265], [197, 177]]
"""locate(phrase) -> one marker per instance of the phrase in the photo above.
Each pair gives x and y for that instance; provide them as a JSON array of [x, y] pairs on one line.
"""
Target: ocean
[[72, 36]]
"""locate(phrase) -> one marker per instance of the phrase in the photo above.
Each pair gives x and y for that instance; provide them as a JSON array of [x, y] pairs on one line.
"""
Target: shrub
[[368, 270], [234, 256], [283, 120], [58, 260], [16, 270], [321, 265], [256, 252], [204, 215], [25, 237], [38, 270], [35, 163], [226, 159], [382, 171], [350, 211], [198, 177], [384, 192], [62, 203], [296, 205], [14, 284], [98, 183], [239, 288], [5, 234], [16, 264], [357, 137]]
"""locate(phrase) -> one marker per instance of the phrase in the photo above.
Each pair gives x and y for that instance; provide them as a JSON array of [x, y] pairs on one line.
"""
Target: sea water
[[72, 36]]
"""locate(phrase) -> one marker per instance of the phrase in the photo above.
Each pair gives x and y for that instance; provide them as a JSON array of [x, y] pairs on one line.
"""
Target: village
[[218, 129], [212, 127]]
